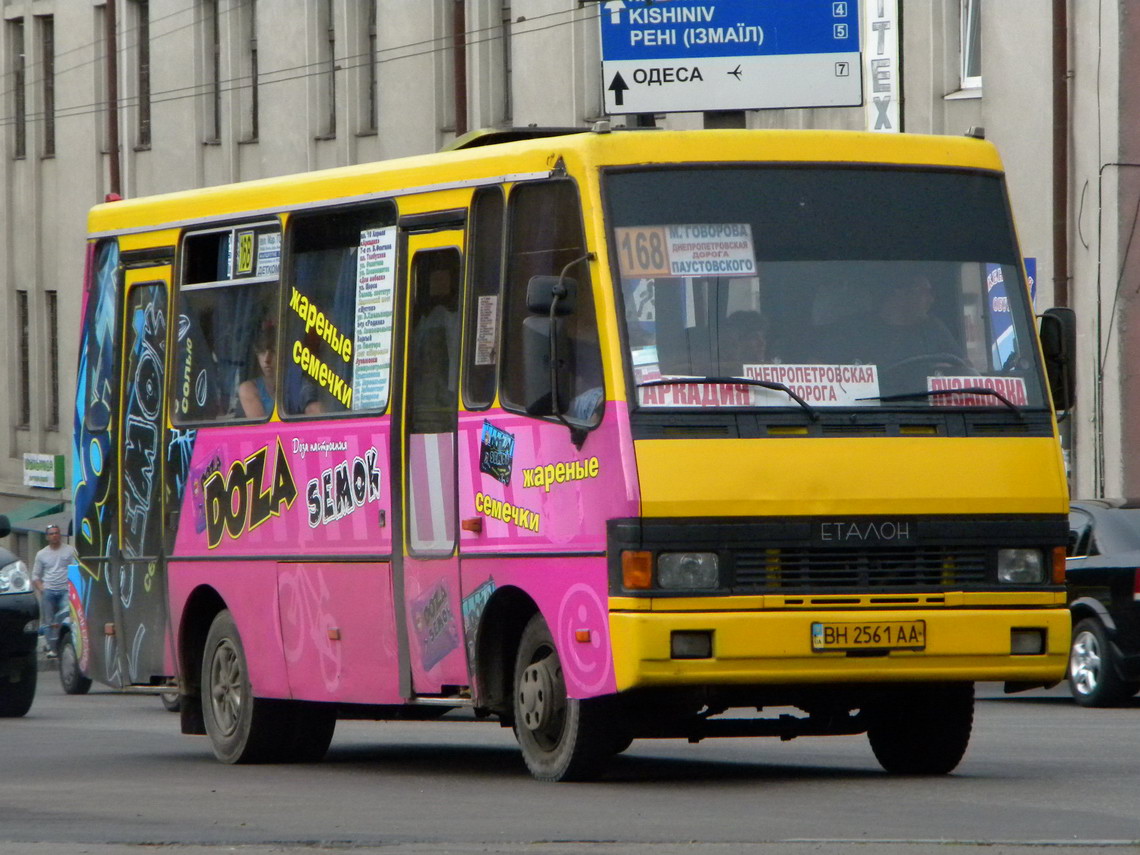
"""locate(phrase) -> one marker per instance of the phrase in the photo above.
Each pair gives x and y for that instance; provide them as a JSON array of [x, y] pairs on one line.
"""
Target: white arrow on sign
[[615, 7]]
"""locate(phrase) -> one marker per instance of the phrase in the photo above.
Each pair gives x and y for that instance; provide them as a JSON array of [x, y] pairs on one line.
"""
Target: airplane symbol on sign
[[735, 72]]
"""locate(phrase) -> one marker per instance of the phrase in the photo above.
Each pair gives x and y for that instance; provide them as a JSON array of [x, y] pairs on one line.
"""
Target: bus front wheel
[[562, 739], [922, 730]]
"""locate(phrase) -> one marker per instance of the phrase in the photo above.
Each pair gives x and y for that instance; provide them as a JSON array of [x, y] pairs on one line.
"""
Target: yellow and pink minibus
[[604, 435]]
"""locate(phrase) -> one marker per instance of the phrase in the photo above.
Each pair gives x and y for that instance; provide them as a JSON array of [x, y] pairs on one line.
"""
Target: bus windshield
[[840, 286]]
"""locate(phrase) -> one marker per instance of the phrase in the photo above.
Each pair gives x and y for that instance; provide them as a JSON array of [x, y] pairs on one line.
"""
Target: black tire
[[70, 676], [16, 697], [1093, 680], [562, 739], [922, 730], [171, 701], [310, 727], [242, 728], [246, 729]]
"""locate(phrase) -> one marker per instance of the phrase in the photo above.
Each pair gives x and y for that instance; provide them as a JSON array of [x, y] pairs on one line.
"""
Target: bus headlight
[[1021, 566], [14, 579], [687, 571]]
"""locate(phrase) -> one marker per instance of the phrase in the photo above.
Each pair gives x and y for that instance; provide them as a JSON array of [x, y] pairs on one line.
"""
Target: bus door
[[430, 575], [138, 578]]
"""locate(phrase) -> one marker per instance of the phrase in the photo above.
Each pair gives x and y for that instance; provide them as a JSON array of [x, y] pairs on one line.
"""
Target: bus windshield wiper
[[734, 381], [965, 390]]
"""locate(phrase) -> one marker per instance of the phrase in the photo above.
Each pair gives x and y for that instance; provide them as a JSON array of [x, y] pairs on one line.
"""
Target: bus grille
[[819, 569]]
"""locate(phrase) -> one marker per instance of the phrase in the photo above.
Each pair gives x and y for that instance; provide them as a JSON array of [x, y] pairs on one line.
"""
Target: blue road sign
[[677, 55]]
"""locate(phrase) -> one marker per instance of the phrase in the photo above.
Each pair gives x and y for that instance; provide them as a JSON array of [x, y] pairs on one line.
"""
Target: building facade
[[202, 92]]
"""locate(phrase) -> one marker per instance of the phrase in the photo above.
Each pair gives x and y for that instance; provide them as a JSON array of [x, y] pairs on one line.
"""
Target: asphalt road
[[104, 774]]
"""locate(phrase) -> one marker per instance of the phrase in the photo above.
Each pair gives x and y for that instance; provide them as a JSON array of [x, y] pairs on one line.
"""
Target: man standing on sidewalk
[[49, 575]]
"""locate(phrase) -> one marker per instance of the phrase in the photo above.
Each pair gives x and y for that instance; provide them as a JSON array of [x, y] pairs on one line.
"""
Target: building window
[[505, 30], [213, 67], [971, 44], [23, 336], [99, 75], [142, 73], [251, 82], [326, 53], [47, 81], [18, 69], [52, 302], [367, 63]]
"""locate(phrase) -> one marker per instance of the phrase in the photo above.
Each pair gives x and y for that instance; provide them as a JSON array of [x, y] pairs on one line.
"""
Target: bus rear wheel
[[246, 729], [71, 676], [562, 739], [922, 730]]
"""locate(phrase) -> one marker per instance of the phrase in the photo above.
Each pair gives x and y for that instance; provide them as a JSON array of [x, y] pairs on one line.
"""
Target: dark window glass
[[213, 68], [52, 298], [544, 239], [23, 332], [47, 52], [484, 275], [19, 70], [433, 342], [226, 335], [253, 112], [339, 310], [99, 358], [142, 17], [849, 285]]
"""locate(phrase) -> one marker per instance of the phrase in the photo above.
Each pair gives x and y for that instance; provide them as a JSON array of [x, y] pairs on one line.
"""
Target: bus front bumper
[[777, 647]]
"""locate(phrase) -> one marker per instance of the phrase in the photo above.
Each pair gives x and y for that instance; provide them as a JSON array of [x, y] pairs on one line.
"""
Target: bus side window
[[100, 357], [227, 313], [484, 279], [544, 236], [338, 310]]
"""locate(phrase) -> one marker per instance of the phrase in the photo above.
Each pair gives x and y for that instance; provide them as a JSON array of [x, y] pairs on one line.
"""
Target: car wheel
[[562, 739], [171, 701], [71, 677], [1093, 680], [923, 730], [16, 696]]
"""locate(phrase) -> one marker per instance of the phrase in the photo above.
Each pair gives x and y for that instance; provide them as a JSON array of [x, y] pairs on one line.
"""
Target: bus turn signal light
[[636, 570], [1058, 565]]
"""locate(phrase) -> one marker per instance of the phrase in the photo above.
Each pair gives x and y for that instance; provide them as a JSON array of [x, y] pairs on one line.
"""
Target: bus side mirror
[[537, 335], [549, 299], [543, 292], [1059, 344], [5, 526]]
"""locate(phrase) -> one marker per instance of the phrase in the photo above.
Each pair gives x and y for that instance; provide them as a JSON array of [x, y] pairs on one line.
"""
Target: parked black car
[[1102, 574], [19, 632]]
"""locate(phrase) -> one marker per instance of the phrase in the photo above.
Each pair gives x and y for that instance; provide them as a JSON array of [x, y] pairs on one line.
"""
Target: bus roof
[[530, 158]]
